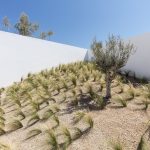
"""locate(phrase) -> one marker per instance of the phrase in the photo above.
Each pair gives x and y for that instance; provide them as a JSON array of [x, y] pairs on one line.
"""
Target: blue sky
[[77, 22]]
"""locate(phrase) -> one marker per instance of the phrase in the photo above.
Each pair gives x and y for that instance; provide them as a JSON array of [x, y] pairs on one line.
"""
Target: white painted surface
[[140, 61], [20, 55]]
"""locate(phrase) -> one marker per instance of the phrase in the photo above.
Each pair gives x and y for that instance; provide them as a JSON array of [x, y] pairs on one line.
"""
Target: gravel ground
[[111, 124]]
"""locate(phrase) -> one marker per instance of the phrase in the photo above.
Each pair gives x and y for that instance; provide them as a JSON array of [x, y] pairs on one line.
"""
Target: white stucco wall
[[20, 55], [140, 61]]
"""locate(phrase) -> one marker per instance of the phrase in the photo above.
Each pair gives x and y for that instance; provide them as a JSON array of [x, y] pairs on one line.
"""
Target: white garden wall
[[20, 55], [140, 61]]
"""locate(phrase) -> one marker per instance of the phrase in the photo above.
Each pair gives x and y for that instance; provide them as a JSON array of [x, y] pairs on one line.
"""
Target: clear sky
[[77, 22]]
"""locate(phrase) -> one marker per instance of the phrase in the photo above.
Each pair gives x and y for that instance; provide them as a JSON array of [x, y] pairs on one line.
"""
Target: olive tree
[[110, 57], [44, 35], [25, 27], [6, 22]]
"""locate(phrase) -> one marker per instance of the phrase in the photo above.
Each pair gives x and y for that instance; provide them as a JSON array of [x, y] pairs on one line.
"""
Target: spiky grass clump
[[88, 119], [74, 102], [63, 98], [47, 114], [96, 75], [142, 145], [73, 79], [146, 104], [33, 119], [17, 102], [116, 146], [131, 93], [67, 136], [33, 133], [147, 95], [2, 131], [20, 114], [119, 99], [1, 111], [65, 85], [2, 124], [100, 103], [2, 119], [57, 88], [77, 134], [56, 119], [73, 92], [80, 91], [90, 91], [55, 108], [52, 140], [35, 105], [78, 116], [4, 147], [86, 76], [14, 125]]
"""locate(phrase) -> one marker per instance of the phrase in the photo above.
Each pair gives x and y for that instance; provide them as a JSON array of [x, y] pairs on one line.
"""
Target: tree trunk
[[108, 86]]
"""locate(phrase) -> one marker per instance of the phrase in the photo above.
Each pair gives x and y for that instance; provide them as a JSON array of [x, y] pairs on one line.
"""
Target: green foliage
[[47, 114], [20, 114], [6, 23], [80, 91], [74, 80], [33, 119], [110, 57], [142, 145], [14, 125], [96, 76], [35, 105], [57, 88], [146, 104], [65, 84], [131, 92], [74, 102], [67, 135], [90, 91], [55, 108], [113, 55], [88, 119], [2, 124], [33, 133], [24, 26], [73, 91], [4, 147], [78, 116], [121, 101], [56, 119], [116, 146], [1, 111], [77, 134], [99, 101], [52, 140], [2, 131]]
